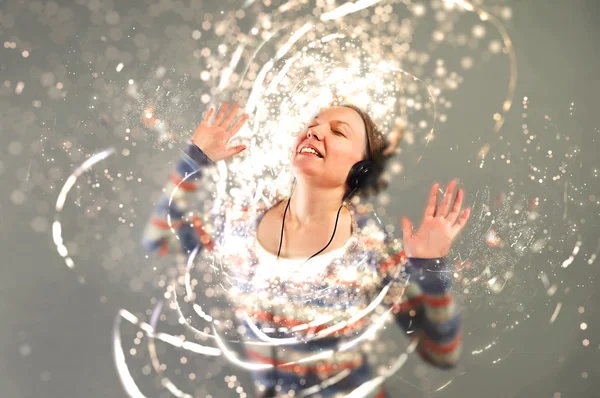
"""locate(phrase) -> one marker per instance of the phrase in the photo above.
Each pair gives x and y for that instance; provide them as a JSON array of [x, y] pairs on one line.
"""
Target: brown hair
[[375, 150], [374, 136]]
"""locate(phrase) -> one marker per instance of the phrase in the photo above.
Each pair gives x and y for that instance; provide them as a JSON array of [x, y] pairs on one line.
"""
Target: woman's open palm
[[440, 226], [212, 138]]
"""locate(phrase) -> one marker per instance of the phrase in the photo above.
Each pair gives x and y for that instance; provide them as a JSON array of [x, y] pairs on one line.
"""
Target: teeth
[[309, 150]]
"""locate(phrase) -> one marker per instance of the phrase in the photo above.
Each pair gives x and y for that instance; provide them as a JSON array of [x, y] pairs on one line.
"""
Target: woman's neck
[[313, 205]]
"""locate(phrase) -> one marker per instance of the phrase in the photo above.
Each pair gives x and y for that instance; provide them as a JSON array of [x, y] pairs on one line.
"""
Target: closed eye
[[337, 132]]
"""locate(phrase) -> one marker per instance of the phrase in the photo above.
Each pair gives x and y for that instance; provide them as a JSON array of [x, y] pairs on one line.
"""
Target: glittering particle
[[25, 350], [40, 224], [556, 312], [17, 197], [19, 88]]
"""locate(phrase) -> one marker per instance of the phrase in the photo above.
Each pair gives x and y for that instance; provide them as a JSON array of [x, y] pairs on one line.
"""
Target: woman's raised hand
[[440, 226], [212, 138]]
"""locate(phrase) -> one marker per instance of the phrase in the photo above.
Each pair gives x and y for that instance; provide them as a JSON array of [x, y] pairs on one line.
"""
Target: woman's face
[[339, 137]]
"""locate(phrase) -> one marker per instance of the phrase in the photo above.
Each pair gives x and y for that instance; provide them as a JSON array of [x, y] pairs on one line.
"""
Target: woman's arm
[[172, 228], [426, 304], [425, 308]]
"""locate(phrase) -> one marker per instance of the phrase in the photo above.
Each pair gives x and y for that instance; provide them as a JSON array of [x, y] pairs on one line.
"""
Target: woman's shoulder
[[366, 219], [373, 234]]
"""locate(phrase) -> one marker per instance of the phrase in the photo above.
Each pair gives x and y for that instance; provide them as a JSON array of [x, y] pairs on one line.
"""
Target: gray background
[[55, 332]]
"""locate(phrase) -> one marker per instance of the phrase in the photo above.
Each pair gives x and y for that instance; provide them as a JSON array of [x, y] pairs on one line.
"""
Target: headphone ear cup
[[359, 175]]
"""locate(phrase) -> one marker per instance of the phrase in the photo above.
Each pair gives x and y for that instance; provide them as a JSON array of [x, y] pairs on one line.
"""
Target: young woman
[[310, 265]]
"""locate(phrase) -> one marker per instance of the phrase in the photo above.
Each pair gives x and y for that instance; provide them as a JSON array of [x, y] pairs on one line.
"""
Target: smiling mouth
[[309, 151]]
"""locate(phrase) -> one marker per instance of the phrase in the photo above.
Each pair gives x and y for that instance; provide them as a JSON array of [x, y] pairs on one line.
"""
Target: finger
[[453, 215], [236, 127], [432, 202], [235, 150], [462, 220], [221, 114], [407, 228], [208, 115], [227, 121], [444, 207]]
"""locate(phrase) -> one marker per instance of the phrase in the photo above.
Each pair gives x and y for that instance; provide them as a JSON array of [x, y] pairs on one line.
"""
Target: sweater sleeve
[[422, 304], [173, 227]]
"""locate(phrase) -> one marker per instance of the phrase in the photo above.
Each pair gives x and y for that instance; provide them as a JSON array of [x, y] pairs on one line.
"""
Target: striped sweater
[[317, 311]]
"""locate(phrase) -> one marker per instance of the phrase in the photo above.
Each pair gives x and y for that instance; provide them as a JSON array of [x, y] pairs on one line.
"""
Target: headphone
[[361, 175]]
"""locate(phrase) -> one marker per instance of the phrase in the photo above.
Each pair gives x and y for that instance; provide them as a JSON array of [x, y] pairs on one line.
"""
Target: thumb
[[407, 228], [235, 150]]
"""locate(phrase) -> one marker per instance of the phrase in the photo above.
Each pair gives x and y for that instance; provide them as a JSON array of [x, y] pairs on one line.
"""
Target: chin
[[308, 167], [304, 169]]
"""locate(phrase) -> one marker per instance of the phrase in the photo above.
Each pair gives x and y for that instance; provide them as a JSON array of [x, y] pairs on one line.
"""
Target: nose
[[313, 133]]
